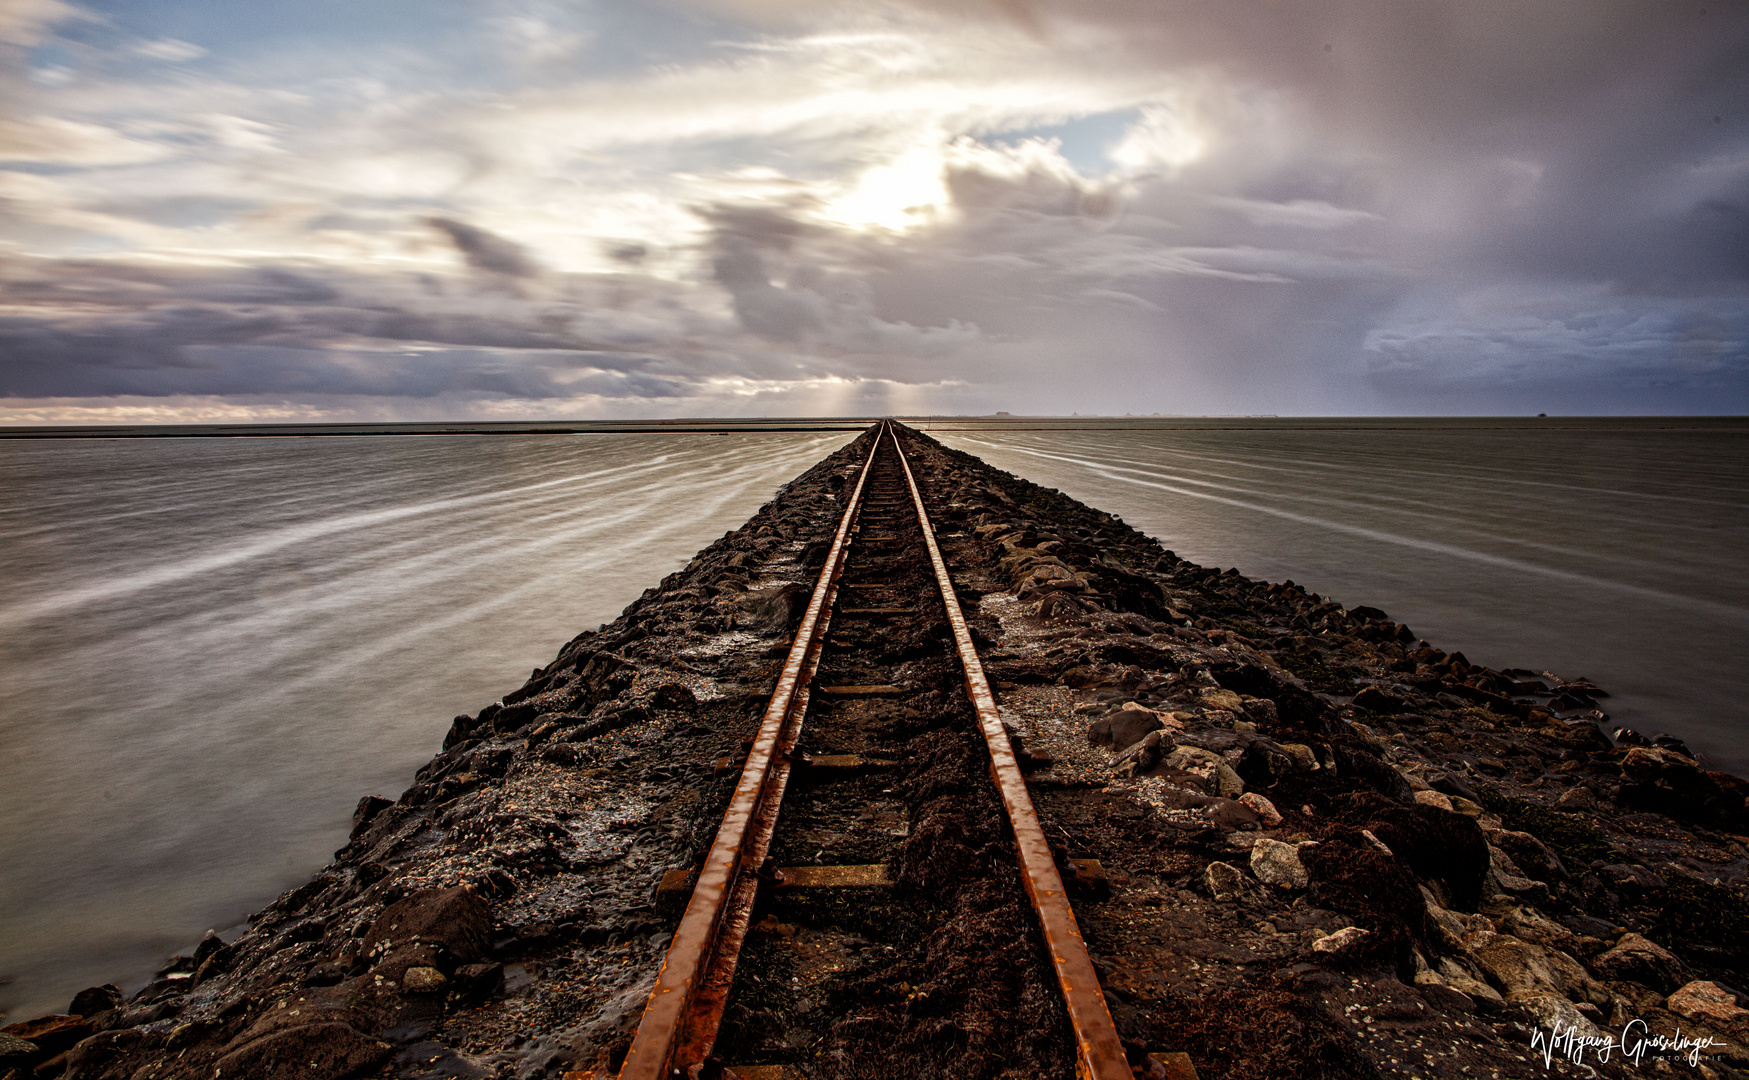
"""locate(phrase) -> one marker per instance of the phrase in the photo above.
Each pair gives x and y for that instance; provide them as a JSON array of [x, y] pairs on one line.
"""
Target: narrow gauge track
[[872, 863]]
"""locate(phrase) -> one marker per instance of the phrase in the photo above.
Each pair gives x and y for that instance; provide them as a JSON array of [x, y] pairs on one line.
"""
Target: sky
[[232, 210]]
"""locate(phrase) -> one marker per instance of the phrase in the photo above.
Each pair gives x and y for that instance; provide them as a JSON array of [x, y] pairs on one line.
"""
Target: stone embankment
[[1329, 848]]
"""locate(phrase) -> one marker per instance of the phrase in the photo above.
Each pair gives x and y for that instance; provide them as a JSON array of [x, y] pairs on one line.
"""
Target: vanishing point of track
[[678, 1033]]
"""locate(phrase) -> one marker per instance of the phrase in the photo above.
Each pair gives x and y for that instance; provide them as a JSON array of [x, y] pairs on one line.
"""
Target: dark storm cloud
[[819, 305], [95, 329], [485, 250]]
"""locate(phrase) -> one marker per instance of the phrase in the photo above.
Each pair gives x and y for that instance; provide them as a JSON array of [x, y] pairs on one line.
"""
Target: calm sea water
[[209, 649], [1613, 549]]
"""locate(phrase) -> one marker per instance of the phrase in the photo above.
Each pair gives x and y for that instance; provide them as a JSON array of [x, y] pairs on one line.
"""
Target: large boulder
[[1276, 863], [1124, 728], [454, 919], [1637, 959], [1709, 1003]]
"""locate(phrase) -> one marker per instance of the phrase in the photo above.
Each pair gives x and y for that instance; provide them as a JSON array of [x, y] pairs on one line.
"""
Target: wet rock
[[1709, 1003], [97, 999], [368, 809], [1278, 864], [1637, 959], [769, 611], [15, 1051], [52, 1034], [479, 980], [319, 1051], [455, 919], [1341, 939]]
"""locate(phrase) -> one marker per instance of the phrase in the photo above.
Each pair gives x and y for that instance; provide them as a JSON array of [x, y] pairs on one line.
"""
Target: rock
[[1453, 786], [1474, 989], [1265, 762], [1373, 699], [1341, 939], [1451, 928], [1710, 1003], [1123, 728], [1225, 700], [1227, 882], [1529, 855], [479, 980], [1632, 881], [1267, 815], [320, 1051], [769, 611], [1353, 760], [1303, 755], [1637, 959], [15, 1051], [52, 1034], [1530, 925], [96, 999], [1557, 1016], [423, 980], [455, 919], [368, 809], [1142, 756], [1278, 864], [1230, 814], [1433, 798], [1579, 798]]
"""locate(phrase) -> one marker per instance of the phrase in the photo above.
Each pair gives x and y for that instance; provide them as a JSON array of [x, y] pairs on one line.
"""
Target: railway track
[[851, 908]]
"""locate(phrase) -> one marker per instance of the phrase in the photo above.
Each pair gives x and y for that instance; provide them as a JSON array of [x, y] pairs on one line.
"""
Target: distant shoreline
[[708, 425]]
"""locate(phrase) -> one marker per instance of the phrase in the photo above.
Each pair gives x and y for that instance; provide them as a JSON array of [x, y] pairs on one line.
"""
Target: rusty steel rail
[[680, 1021], [1100, 1054]]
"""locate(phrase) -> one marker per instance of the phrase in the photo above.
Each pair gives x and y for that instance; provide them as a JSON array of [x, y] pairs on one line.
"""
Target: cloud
[[172, 50], [1193, 207], [486, 251], [23, 22]]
